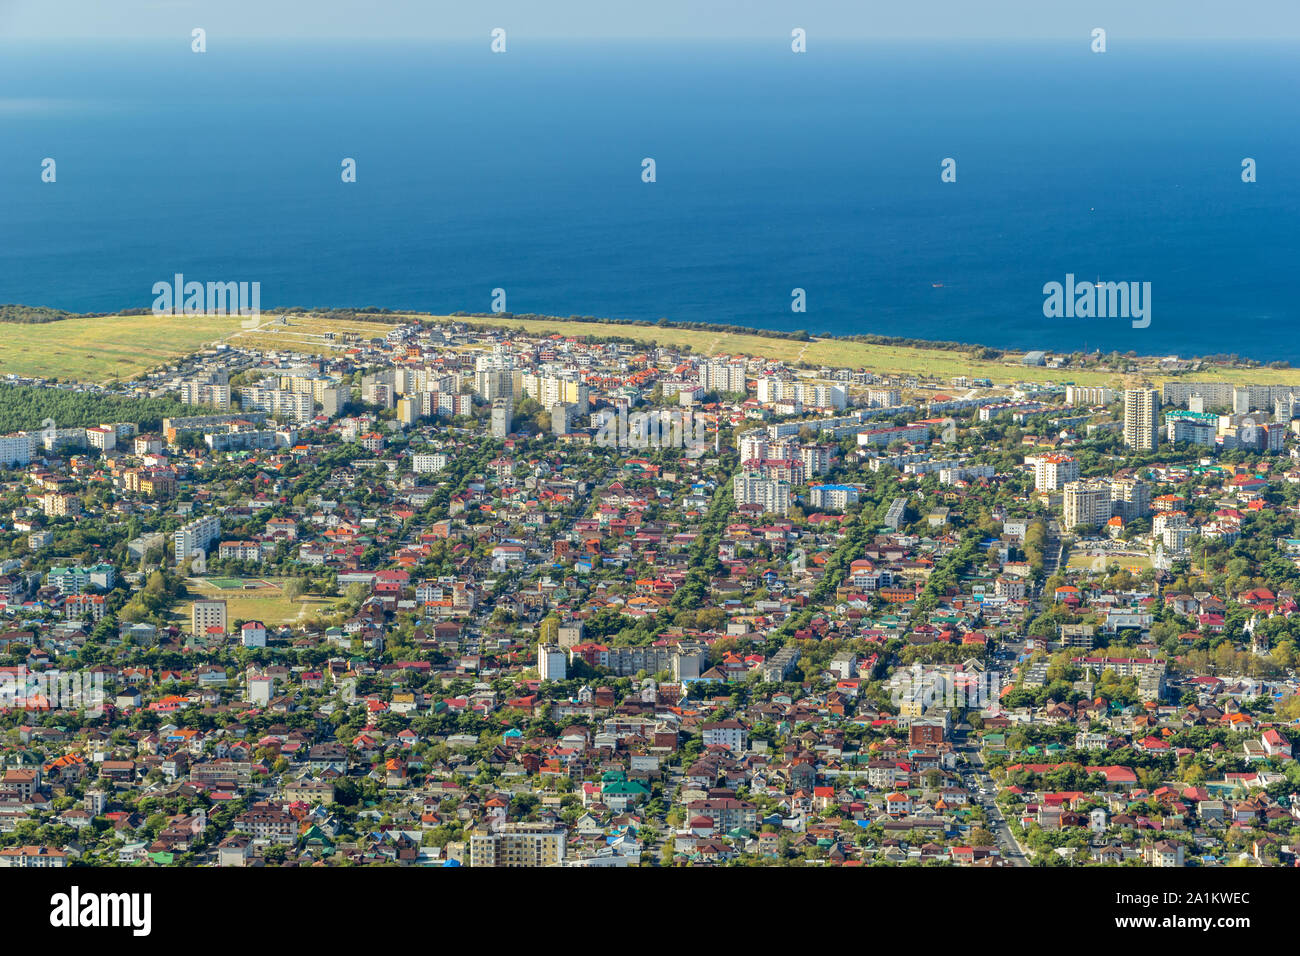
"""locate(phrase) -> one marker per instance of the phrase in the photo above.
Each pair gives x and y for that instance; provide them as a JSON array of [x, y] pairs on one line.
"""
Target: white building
[[17, 449], [428, 464], [723, 376], [1141, 418], [197, 535], [260, 689], [1053, 471], [726, 733], [772, 494], [832, 497], [551, 663], [502, 420], [253, 634]]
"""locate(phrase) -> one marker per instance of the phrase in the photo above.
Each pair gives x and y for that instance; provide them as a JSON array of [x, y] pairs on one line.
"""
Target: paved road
[[1007, 845], [655, 850]]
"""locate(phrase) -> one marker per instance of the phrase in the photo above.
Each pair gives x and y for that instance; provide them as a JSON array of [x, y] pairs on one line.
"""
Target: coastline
[[85, 348]]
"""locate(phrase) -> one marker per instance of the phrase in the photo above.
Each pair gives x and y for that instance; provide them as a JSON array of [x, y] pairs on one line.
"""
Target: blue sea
[[774, 171]]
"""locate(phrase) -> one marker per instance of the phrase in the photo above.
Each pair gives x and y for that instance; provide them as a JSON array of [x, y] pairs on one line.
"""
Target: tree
[[548, 629]]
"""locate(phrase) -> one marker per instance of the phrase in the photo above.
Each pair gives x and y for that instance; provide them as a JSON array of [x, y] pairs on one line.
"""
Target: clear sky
[[678, 19]]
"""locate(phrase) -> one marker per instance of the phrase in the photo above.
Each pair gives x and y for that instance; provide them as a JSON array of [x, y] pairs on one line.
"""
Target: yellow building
[[517, 845]]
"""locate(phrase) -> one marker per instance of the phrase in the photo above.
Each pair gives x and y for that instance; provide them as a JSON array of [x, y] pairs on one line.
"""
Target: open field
[[266, 603], [306, 333], [105, 349], [119, 347], [1098, 562], [939, 363]]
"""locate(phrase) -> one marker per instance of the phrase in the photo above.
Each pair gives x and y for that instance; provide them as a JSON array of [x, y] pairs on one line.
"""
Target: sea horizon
[[774, 172]]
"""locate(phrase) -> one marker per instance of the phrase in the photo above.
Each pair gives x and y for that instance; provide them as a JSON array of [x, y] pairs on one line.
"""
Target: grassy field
[[105, 349], [938, 363], [266, 603], [120, 347], [1100, 561], [306, 333]]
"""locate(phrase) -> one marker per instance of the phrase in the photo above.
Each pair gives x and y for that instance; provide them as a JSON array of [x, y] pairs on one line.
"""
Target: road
[[1051, 549], [653, 852], [1012, 649], [1007, 845]]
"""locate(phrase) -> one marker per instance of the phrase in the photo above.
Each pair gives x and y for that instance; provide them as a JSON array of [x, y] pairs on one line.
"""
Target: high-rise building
[[1199, 428], [424, 464], [816, 459], [209, 388], [206, 614], [17, 449], [1053, 471], [103, 437], [282, 403], [324, 390], [57, 505], [1130, 498], [754, 445], [551, 662], [197, 535], [503, 414], [817, 394], [1141, 418], [551, 390], [720, 376], [493, 383], [1086, 503], [773, 495], [832, 497], [408, 410]]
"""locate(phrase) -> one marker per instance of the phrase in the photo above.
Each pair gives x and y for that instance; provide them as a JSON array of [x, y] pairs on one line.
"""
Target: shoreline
[[934, 360]]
